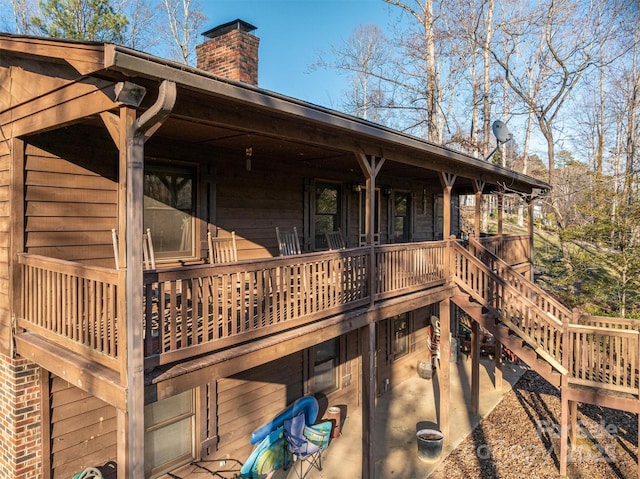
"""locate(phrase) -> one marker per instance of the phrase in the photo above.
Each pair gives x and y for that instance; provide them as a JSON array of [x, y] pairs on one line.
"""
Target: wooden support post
[[447, 180], [368, 341], [530, 226], [564, 415], [16, 235], [478, 186], [497, 368], [564, 401], [444, 373], [573, 429], [370, 166], [133, 419], [475, 368], [500, 212]]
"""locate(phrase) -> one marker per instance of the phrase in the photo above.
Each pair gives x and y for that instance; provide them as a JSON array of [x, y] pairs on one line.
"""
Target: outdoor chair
[[222, 249], [148, 253], [335, 240], [288, 242], [306, 443]]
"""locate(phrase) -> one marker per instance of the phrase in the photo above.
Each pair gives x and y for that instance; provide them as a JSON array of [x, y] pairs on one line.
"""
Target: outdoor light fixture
[[356, 188], [129, 93], [248, 153], [502, 134]]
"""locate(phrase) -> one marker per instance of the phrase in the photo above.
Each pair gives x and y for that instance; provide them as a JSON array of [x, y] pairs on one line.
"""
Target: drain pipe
[[138, 131]]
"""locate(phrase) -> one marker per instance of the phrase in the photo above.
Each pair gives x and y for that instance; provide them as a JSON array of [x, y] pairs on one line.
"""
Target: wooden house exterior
[[109, 360]]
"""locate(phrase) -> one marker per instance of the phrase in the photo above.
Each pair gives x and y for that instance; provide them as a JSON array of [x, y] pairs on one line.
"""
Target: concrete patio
[[411, 406], [400, 413]]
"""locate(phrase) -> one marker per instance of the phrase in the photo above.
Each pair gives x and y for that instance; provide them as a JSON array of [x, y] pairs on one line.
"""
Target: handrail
[[527, 288], [540, 330]]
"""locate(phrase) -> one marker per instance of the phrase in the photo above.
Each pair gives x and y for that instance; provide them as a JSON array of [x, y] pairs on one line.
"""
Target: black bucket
[[429, 444]]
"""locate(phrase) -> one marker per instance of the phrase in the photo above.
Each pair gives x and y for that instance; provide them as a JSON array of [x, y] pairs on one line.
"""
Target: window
[[169, 439], [169, 210], [325, 366], [400, 336], [401, 217], [327, 212]]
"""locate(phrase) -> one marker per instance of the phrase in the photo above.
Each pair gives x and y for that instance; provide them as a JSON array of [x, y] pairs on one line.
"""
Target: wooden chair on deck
[[222, 249], [148, 253], [288, 242], [335, 240]]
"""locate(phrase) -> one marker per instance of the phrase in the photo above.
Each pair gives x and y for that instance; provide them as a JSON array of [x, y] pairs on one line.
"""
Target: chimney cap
[[236, 24]]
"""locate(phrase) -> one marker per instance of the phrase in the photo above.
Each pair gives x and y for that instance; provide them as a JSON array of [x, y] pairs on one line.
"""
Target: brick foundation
[[20, 425]]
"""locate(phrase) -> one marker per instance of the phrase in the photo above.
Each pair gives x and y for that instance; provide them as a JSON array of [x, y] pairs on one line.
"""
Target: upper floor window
[[169, 209], [327, 216], [401, 217]]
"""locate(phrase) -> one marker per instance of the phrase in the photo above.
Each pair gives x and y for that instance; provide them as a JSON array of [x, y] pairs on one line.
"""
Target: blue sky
[[291, 34]]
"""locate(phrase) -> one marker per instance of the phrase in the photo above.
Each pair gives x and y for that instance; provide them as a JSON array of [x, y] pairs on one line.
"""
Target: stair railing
[[541, 330]]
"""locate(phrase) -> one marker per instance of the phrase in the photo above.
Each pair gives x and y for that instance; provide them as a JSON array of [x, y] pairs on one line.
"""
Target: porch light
[[129, 93], [356, 188], [248, 153]]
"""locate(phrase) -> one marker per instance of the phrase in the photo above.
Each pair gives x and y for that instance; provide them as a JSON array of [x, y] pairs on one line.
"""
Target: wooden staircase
[[593, 360], [508, 338]]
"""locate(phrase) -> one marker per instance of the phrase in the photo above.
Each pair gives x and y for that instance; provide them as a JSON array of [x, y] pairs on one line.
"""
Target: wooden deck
[[193, 310]]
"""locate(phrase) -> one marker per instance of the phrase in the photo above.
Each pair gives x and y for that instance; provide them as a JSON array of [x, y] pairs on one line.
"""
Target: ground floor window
[[400, 345], [169, 439], [324, 361]]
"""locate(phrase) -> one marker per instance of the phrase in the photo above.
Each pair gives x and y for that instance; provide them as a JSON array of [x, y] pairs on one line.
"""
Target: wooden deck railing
[[605, 358], [75, 305], [513, 249], [198, 309], [594, 351], [203, 308], [407, 267], [505, 298]]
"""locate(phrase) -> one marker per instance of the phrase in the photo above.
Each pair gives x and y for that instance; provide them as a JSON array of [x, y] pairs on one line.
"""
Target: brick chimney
[[231, 52]]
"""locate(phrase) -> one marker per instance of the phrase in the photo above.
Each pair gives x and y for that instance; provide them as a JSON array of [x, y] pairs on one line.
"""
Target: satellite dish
[[501, 131]]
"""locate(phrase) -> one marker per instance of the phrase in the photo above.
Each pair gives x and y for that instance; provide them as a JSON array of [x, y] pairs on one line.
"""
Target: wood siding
[[83, 430], [5, 232], [70, 209]]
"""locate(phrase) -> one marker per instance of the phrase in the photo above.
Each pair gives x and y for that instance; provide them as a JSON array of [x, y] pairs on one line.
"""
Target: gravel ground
[[520, 439]]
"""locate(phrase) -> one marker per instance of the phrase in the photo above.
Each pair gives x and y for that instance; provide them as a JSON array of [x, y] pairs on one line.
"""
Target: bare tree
[[184, 23], [17, 16], [143, 25]]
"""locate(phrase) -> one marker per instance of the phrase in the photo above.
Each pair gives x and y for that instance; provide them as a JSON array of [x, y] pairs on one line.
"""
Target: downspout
[[137, 133]]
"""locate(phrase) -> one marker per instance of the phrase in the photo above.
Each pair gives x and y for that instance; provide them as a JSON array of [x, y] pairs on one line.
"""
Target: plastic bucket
[[333, 414], [429, 444]]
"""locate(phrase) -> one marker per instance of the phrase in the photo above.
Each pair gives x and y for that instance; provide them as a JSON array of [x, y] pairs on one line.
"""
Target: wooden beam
[[84, 58], [497, 366], [87, 375], [192, 373], [530, 232], [59, 107], [368, 342]]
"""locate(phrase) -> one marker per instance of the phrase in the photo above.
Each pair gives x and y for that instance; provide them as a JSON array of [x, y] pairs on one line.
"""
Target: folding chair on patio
[[306, 443]]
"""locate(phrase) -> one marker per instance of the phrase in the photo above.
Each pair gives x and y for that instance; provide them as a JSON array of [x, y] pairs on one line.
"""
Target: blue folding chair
[[306, 443]]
